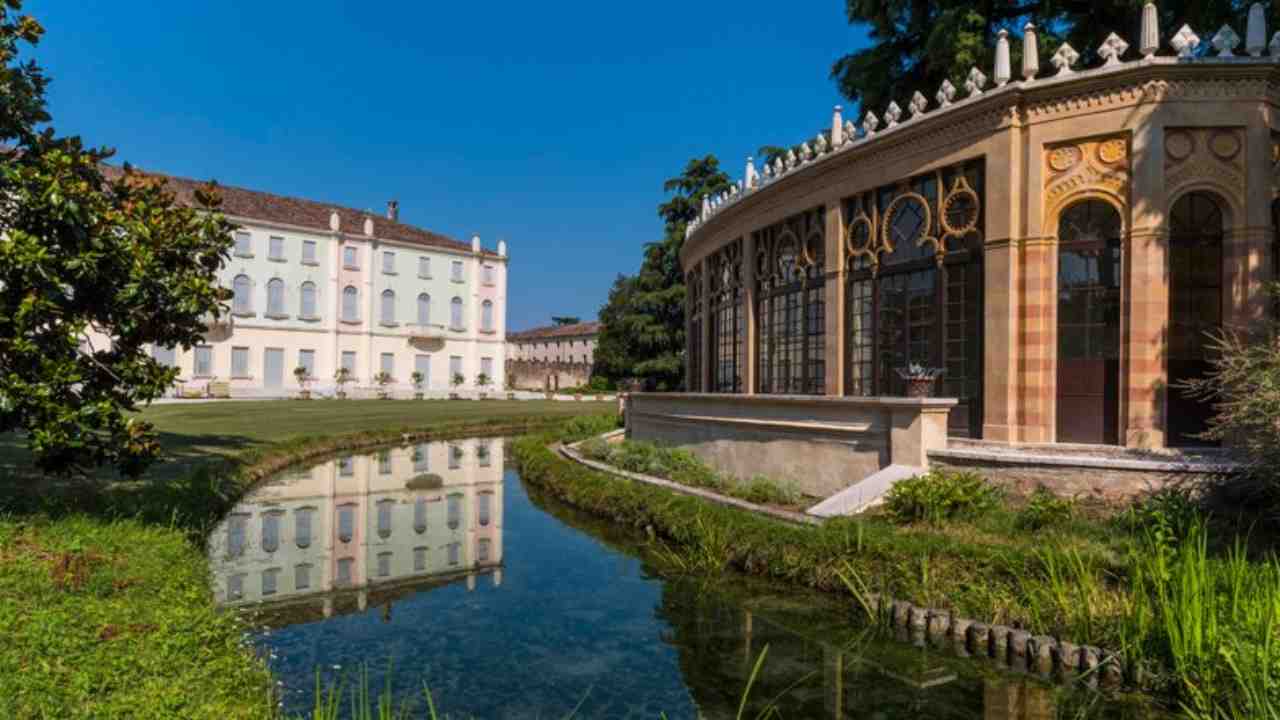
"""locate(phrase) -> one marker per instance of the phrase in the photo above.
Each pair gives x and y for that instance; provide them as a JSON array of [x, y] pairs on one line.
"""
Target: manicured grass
[[105, 609]]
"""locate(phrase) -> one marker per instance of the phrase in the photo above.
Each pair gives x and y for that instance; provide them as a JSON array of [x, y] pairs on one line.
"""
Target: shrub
[[1166, 517], [581, 428], [1045, 509], [938, 495]]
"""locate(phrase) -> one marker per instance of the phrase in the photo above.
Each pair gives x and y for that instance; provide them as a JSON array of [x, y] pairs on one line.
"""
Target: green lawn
[[105, 608]]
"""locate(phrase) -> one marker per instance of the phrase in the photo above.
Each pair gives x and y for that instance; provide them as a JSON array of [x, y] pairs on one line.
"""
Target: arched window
[[388, 313], [271, 530], [420, 515], [309, 300], [1089, 268], [384, 518], [486, 316], [424, 309], [792, 274], [346, 523], [1196, 233], [302, 527], [455, 313], [728, 322], [454, 510], [242, 287], [914, 284], [275, 296], [350, 304]]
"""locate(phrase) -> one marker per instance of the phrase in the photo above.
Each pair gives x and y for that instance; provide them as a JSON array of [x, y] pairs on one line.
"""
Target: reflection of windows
[[384, 463], [302, 577], [482, 550], [419, 559], [237, 527], [455, 511], [482, 454], [346, 523], [344, 571], [302, 527], [422, 458], [271, 530], [455, 553], [485, 501], [270, 577], [235, 586], [384, 518], [384, 564], [346, 466], [420, 515], [455, 457]]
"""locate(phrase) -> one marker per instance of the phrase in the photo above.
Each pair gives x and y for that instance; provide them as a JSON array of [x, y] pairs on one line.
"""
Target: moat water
[[435, 566]]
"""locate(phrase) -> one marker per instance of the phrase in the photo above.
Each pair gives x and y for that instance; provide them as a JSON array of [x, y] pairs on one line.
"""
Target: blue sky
[[549, 124]]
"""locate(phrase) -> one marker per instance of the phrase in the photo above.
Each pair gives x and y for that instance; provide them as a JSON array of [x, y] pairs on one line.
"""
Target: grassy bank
[[1196, 621], [104, 600]]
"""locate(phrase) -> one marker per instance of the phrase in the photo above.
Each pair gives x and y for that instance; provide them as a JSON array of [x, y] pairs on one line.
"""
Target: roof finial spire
[[1030, 52], [837, 127], [1150, 40], [1256, 31], [1003, 71]]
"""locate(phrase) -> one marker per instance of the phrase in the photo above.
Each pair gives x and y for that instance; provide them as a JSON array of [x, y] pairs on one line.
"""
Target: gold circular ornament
[[960, 209], [1179, 146], [1224, 144], [1111, 152], [860, 242], [906, 202], [1064, 158]]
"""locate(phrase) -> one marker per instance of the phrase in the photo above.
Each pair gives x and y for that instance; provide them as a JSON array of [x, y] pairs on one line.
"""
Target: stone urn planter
[[920, 379], [418, 396], [304, 394], [511, 396]]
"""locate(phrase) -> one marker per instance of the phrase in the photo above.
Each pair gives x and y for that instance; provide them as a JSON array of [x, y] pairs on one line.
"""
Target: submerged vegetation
[[1193, 619], [684, 467]]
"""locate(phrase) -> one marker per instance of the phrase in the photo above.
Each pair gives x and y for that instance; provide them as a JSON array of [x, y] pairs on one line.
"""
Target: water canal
[[434, 564]]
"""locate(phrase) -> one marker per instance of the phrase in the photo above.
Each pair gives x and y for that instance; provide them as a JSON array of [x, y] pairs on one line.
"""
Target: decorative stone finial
[[977, 80], [335, 221], [502, 248], [1226, 41], [1030, 52], [791, 159], [779, 167], [918, 105], [475, 243], [1256, 32], [706, 207], [1065, 58], [368, 226], [893, 114], [1112, 48], [820, 144], [806, 152], [870, 123], [946, 93], [1149, 43], [850, 132], [1003, 72], [752, 177], [1185, 41], [837, 127]]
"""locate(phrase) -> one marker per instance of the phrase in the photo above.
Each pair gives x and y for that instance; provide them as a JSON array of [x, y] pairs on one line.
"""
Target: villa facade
[[322, 287], [1059, 243], [552, 357]]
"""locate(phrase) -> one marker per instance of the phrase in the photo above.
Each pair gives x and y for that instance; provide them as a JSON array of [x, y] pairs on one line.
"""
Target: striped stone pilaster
[[1146, 313], [1038, 340], [834, 292], [1246, 268], [1000, 343]]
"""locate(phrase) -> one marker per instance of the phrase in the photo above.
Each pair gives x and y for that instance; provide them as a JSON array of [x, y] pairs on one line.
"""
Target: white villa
[[322, 287]]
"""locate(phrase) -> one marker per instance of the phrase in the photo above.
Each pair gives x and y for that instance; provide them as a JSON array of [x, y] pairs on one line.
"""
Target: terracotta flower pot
[[920, 387]]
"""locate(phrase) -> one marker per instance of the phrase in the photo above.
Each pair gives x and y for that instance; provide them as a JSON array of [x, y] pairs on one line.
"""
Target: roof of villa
[[553, 332], [257, 205]]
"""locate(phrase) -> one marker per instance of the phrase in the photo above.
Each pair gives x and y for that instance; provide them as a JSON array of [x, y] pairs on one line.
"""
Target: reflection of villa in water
[[363, 523]]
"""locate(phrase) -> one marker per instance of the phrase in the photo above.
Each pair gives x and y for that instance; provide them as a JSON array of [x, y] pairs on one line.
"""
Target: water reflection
[[358, 524]]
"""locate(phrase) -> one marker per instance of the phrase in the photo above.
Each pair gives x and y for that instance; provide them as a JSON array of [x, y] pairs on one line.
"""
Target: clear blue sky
[[549, 124]]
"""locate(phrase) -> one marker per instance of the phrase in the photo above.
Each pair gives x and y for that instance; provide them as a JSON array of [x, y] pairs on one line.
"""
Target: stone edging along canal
[[1012, 648]]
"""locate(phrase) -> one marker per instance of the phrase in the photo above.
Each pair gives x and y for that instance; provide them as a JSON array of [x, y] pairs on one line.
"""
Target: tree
[[643, 333], [81, 257], [915, 44], [561, 321]]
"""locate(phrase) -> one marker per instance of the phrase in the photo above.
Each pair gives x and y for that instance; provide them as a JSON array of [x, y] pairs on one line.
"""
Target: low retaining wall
[[821, 444]]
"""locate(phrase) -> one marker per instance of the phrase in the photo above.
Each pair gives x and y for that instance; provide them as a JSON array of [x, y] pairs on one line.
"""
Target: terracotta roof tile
[[552, 332], [257, 205]]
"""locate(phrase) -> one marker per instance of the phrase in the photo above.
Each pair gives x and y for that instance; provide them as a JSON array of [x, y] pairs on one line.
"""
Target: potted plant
[[417, 378], [482, 382], [919, 379], [303, 376], [456, 381], [342, 377], [383, 379]]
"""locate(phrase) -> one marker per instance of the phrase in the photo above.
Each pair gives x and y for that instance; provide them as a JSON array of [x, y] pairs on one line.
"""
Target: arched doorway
[[1089, 263], [1195, 308]]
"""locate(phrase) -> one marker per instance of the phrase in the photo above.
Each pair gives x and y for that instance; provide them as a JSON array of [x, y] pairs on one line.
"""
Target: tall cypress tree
[[644, 318]]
